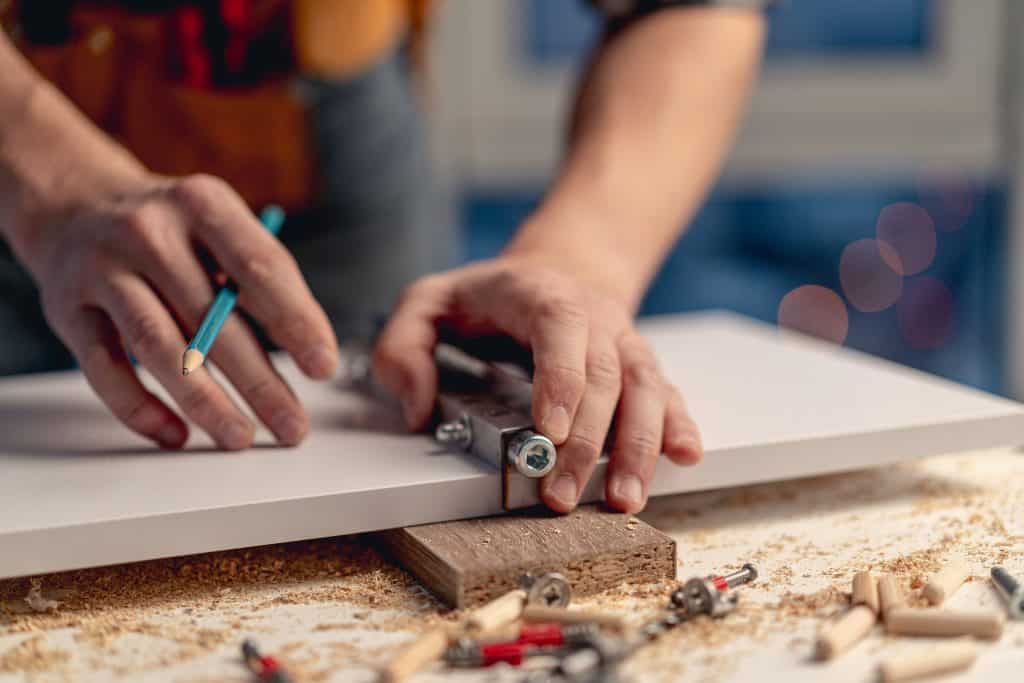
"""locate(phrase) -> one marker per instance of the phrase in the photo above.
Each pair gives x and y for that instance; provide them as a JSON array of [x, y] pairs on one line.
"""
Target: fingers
[[403, 360], [640, 427], [561, 488], [270, 285], [237, 353], [558, 335], [153, 337], [95, 343], [682, 442]]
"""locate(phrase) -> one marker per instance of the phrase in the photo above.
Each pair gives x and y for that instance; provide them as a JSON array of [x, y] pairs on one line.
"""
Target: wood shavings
[[33, 655], [36, 601], [334, 609]]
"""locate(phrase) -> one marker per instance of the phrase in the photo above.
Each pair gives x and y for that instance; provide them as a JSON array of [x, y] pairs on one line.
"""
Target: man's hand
[[590, 365], [120, 273]]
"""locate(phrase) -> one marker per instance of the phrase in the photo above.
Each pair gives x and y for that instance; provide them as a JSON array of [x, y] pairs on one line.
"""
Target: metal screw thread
[[745, 575]]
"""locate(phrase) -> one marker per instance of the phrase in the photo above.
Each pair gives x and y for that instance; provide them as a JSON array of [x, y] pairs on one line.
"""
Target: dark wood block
[[468, 562]]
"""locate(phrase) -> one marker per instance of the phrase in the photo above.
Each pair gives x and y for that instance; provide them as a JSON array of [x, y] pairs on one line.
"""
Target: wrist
[[53, 163], [584, 248]]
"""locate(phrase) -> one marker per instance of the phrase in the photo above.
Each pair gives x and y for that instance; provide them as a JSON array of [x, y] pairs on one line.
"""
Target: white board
[[78, 490]]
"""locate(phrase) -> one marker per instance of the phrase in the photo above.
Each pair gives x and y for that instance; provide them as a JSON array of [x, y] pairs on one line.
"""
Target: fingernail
[[288, 428], [629, 490], [171, 435], [691, 444], [236, 435], [563, 489], [556, 424], [320, 361]]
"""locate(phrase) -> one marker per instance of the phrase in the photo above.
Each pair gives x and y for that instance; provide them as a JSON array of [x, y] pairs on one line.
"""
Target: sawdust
[[33, 655], [164, 598], [206, 603]]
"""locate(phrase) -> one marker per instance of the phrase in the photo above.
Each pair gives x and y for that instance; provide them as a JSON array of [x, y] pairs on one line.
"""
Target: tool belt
[[123, 64]]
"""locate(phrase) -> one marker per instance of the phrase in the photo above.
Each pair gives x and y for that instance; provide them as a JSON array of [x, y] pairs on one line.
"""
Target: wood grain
[[468, 562]]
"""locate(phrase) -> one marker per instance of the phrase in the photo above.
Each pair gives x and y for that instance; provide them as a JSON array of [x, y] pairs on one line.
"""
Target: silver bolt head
[[455, 432], [551, 589], [532, 454]]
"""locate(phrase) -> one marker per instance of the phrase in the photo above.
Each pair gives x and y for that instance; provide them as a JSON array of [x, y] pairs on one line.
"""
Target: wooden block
[[469, 562]]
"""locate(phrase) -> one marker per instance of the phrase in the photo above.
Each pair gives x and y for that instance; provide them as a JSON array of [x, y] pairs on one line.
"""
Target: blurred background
[[868, 199]]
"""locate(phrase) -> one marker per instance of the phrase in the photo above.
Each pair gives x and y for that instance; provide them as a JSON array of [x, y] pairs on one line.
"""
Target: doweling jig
[[484, 409]]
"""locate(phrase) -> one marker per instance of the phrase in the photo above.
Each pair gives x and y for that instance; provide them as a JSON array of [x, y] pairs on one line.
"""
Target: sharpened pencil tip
[[192, 360]]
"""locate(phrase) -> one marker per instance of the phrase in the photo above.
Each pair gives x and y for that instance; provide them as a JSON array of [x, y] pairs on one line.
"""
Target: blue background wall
[[747, 248]]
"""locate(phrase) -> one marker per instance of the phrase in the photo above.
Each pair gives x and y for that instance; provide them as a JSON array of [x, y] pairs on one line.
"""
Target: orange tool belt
[[124, 69]]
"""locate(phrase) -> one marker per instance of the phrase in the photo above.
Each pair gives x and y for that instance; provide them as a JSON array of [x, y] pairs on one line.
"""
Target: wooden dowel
[[929, 661], [540, 614], [498, 612], [865, 591], [944, 582], [839, 636], [908, 621], [426, 650], [890, 595]]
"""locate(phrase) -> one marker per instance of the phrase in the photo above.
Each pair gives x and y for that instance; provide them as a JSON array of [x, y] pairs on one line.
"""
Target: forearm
[[51, 157], [654, 118]]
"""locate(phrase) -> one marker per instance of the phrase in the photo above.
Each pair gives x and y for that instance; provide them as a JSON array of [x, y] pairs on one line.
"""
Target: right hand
[[121, 273]]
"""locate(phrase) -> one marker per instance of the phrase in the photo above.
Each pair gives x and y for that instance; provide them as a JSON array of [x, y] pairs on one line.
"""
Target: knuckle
[[289, 328], [200, 192], [131, 412], [424, 287], [566, 376], [560, 309], [603, 369], [196, 401], [257, 267], [585, 447], [140, 223], [263, 390], [142, 332], [642, 441], [642, 374]]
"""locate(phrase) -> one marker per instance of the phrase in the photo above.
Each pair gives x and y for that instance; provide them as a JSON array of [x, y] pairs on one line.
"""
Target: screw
[[551, 589], [1011, 590], [456, 432], [745, 575], [532, 455]]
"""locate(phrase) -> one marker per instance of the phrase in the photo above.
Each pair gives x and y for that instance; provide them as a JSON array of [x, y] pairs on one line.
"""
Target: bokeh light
[[948, 195], [926, 313], [817, 311], [869, 281], [910, 231]]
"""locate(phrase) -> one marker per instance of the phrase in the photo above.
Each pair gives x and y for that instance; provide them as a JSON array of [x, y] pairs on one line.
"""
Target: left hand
[[591, 365]]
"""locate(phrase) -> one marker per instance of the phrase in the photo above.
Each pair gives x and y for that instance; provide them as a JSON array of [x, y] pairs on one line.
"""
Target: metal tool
[[485, 409], [593, 660], [550, 589], [1011, 590], [711, 595]]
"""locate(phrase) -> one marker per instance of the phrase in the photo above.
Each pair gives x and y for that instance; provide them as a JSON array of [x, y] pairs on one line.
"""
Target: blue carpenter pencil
[[272, 218]]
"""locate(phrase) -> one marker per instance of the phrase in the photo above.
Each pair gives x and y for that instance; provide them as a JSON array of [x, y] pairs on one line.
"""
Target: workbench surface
[[333, 610]]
